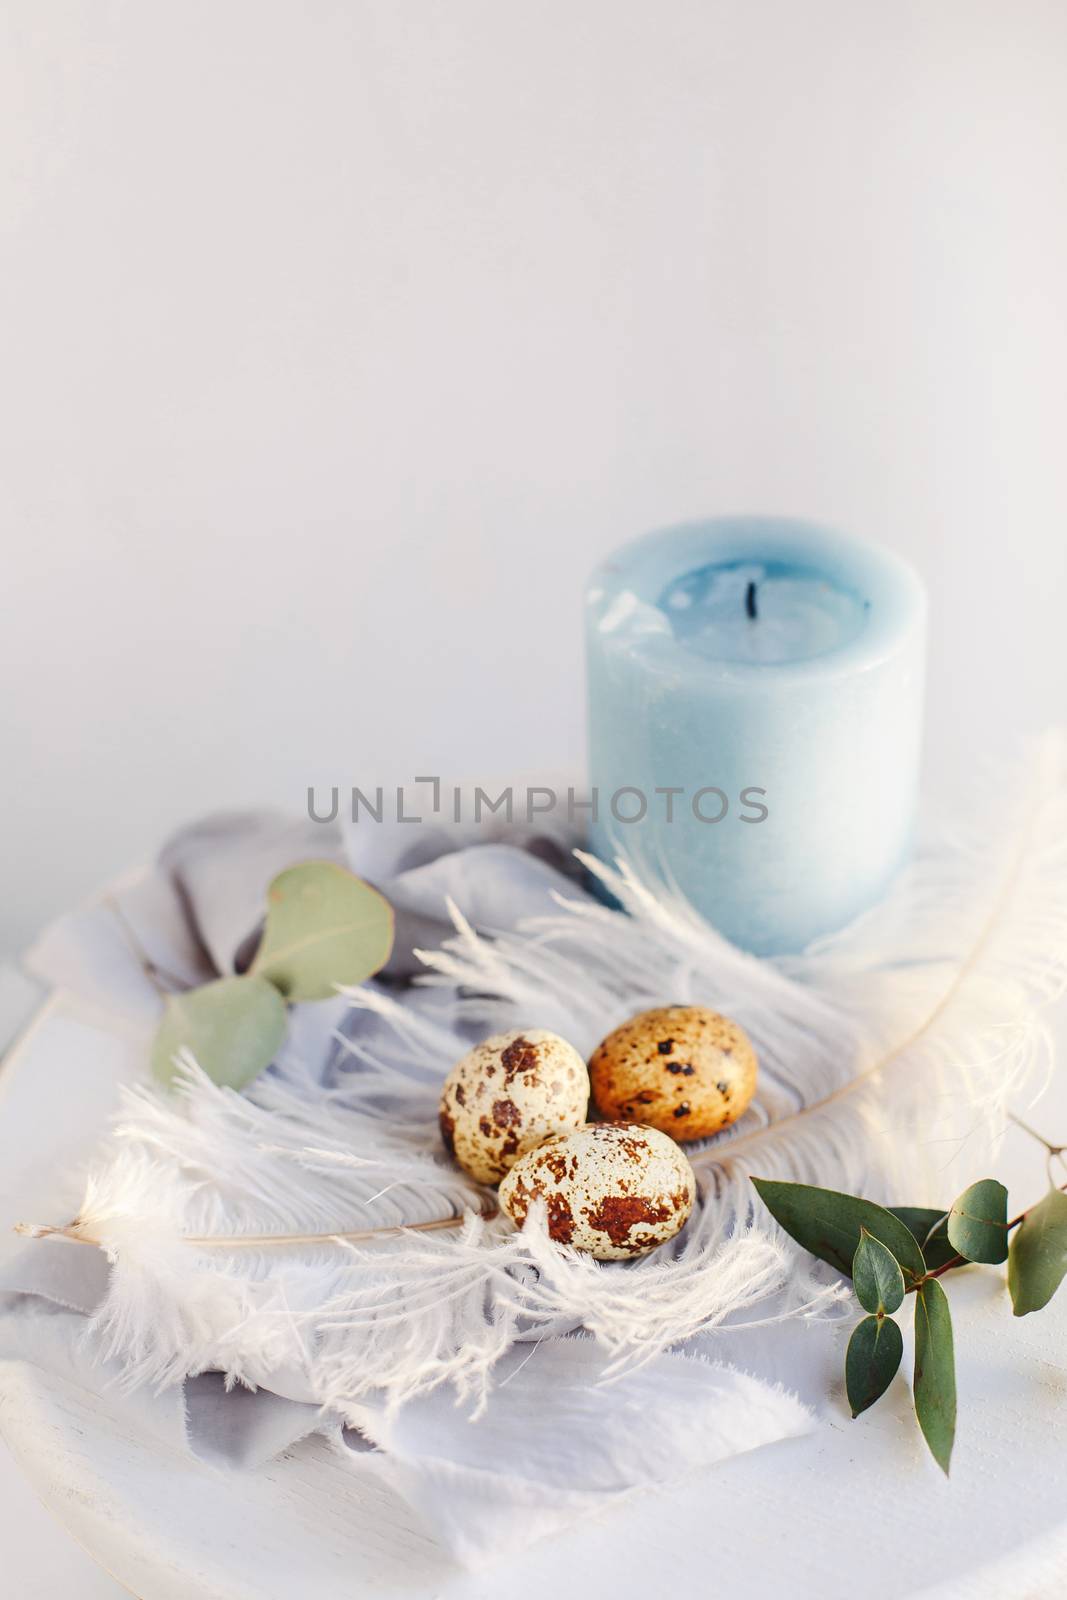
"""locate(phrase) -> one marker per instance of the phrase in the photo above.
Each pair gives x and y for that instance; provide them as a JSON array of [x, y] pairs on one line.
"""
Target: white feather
[[884, 1052]]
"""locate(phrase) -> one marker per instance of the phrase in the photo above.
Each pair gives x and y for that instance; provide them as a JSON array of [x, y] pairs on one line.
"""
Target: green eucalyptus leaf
[[829, 1224], [324, 927], [871, 1361], [232, 1028], [876, 1276], [1037, 1261], [935, 1371], [929, 1226], [978, 1222]]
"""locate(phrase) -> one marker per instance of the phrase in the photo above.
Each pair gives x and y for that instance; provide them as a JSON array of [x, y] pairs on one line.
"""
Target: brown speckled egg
[[683, 1069], [612, 1189], [508, 1095]]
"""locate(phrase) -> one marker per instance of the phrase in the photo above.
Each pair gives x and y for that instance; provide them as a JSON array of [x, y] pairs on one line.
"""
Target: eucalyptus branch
[[1053, 1152], [1053, 1149], [962, 1261], [323, 928], [891, 1252]]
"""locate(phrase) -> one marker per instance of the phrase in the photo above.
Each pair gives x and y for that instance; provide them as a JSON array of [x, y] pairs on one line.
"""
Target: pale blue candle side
[[834, 740]]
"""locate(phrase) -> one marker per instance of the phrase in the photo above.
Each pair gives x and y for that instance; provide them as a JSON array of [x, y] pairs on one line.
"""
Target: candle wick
[[750, 601]]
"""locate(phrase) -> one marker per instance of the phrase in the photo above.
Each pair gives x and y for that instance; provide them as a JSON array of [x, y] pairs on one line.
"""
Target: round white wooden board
[[854, 1508]]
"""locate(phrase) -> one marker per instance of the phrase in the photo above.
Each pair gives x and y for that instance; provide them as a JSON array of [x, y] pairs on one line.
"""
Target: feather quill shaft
[[258, 1241]]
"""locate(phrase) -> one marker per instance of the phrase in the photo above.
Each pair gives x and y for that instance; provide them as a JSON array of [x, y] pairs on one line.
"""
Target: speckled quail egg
[[509, 1094], [613, 1189], [683, 1069]]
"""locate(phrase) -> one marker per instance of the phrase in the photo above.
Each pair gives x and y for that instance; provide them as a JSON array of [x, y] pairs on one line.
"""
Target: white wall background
[[340, 337]]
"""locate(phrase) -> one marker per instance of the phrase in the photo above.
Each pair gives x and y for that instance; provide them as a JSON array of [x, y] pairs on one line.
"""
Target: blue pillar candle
[[755, 718]]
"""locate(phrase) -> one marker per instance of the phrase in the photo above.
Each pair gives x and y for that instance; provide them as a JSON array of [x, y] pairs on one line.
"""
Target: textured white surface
[[40, 1561]]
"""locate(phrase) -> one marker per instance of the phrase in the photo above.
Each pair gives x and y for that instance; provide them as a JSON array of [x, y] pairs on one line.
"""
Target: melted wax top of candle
[[749, 611]]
